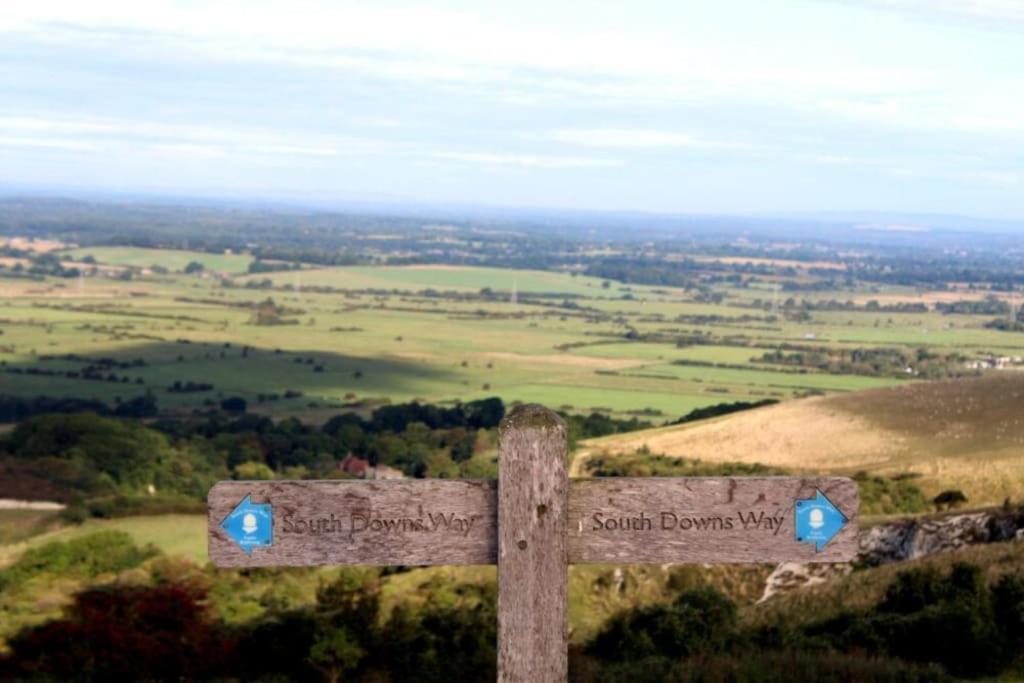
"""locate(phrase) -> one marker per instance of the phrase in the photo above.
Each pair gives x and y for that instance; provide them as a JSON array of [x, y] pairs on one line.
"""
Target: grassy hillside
[[183, 535], [962, 434]]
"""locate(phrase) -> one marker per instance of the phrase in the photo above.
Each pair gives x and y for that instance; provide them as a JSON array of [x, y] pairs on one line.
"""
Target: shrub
[[235, 404], [125, 633], [86, 557], [950, 499], [700, 621], [253, 471]]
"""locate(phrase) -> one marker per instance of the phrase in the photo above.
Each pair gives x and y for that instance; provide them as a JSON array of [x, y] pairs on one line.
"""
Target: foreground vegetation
[[937, 620]]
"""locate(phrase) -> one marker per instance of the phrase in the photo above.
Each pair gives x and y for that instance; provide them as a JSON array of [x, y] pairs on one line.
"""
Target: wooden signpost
[[533, 522]]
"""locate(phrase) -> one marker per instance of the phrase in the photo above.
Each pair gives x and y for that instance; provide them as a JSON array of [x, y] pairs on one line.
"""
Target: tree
[[235, 404], [462, 444], [268, 313], [194, 268], [485, 413], [335, 652], [347, 613], [140, 406]]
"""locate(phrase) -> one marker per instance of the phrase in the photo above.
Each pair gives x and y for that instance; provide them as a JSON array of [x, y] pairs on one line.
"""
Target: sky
[[690, 106]]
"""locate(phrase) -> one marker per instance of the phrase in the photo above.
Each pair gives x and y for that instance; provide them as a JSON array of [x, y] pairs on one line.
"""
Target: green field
[[378, 334], [400, 333], [173, 260], [444, 278], [183, 535]]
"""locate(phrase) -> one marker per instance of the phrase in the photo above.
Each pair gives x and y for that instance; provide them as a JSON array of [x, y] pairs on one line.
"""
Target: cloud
[[449, 46], [983, 112], [524, 160], [196, 140], [830, 159], [47, 143], [999, 177], [990, 14], [371, 93], [635, 138]]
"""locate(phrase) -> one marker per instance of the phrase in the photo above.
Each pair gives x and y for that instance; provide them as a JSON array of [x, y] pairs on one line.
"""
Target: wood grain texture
[[354, 501], [411, 522], [696, 519], [533, 565]]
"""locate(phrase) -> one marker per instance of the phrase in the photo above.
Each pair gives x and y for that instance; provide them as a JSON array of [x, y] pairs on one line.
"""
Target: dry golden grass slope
[[965, 434]]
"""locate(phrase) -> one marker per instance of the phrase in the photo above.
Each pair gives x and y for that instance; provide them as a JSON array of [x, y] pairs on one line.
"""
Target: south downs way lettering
[[364, 522], [754, 520]]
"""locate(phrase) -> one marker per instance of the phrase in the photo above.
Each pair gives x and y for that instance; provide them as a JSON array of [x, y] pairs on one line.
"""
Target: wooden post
[[533, 561]]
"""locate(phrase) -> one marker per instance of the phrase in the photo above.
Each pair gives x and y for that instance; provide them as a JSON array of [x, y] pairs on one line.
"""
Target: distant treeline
[[15, 408], [871, 306], [987, 306], [870, 362], [723, 409], [651, 256]]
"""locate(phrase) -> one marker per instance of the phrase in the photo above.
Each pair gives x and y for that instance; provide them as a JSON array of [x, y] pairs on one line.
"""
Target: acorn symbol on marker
[[817, 518]]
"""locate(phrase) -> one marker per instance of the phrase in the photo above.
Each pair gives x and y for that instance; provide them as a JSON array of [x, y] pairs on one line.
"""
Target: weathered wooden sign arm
[[533, 522]]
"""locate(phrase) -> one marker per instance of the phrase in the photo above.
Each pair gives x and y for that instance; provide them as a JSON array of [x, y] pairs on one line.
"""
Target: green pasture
[[453, 278], [765, 378], [398, 345], [172, 534]]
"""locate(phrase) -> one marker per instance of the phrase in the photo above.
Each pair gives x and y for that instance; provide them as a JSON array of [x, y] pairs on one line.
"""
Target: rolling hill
[[960, 434]]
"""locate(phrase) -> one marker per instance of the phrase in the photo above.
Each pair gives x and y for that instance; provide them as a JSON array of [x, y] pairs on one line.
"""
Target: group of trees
[[990, 305], [409, 436], [872, 362], [40, 265], [16, 408], [95, 457], [872, 306]]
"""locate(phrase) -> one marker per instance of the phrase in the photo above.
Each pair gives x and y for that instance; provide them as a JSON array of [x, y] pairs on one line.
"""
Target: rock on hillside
[[905, 540]]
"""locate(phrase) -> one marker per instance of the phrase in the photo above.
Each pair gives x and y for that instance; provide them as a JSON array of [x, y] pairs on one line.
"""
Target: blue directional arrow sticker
[[250, 525], [818, 520]]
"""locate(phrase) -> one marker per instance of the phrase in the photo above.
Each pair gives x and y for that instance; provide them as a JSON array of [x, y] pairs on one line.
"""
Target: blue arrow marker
[[818, 521], [250, 526]]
